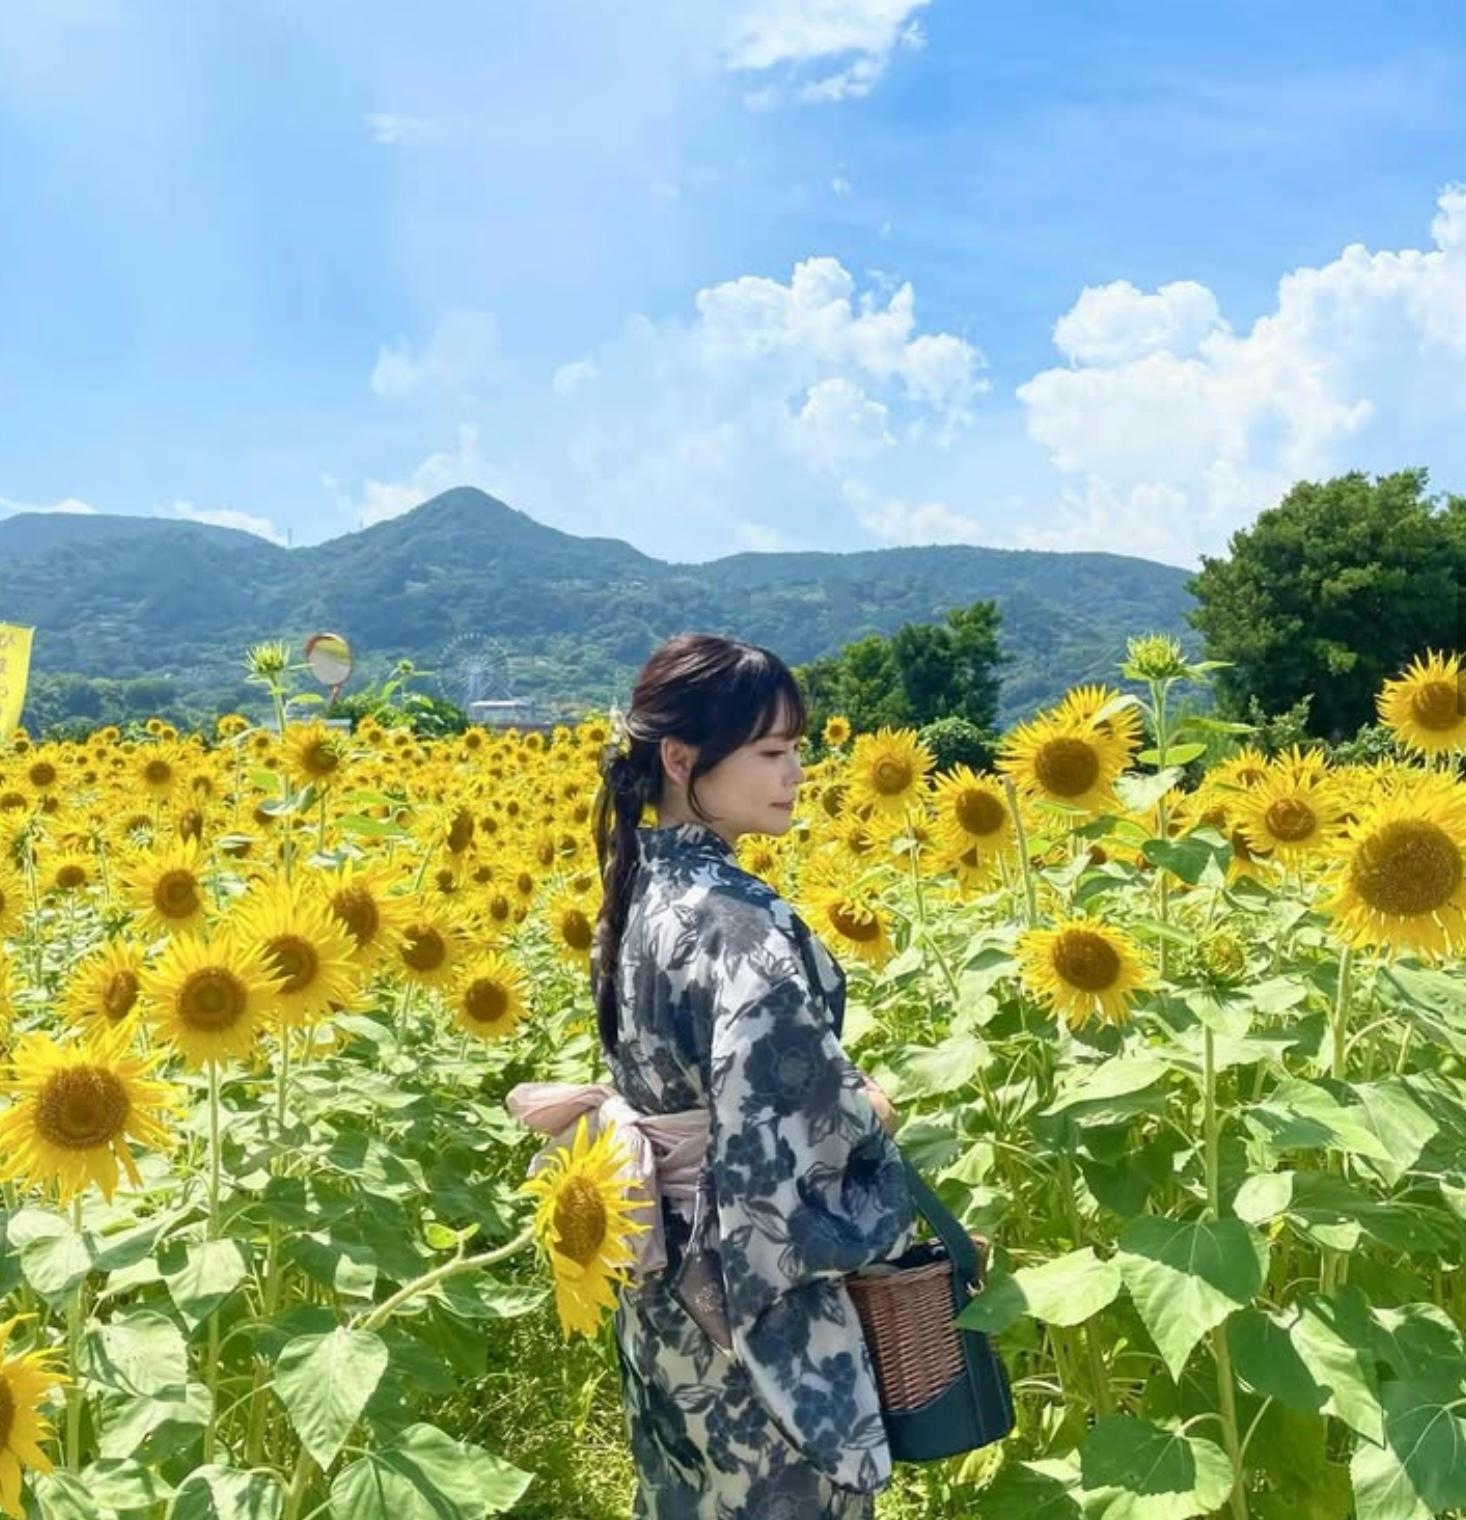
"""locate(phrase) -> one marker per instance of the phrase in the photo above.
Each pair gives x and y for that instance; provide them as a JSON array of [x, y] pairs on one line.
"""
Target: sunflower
[[26, 1382], [761, 856], [571, 919], [105, 985], [1425, 708], [1069, 760], [975, 867], [158, 770], [307, 947], [836, 731], [1115, 714], [843, 908], [69, 871], [1082, 967], [1398, 874], [166, 887], [489, 996], [74, 1109], [971, 809], [582, 1224], [314, 752], [12, 898], [41, 773], [1245, 769], [1293, 813], [208, 998], [358, 897], [889, 769], [433, 944]]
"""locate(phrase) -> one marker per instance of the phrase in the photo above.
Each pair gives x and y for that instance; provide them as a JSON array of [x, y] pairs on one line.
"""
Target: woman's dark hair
[[712, 692]]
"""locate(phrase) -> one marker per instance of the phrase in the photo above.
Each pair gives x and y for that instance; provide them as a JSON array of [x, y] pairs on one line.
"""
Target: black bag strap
[[947, 1226]]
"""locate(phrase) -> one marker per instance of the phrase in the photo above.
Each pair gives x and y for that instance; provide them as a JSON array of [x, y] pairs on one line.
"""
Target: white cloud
[[840, 185], [379, 500], [1166, 412], [771, 394], [759, 538], [223, 517], [569, 378], [812, 322], [68, 504], [1115, 323], [392, 128], [462, 348], [838, 423], [822, 50], [895, 521]]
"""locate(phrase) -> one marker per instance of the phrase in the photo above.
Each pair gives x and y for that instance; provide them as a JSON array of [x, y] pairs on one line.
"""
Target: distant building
[[509, 712]]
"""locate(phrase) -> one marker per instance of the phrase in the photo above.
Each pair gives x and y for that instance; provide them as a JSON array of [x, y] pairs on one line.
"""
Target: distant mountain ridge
[[115, 597]]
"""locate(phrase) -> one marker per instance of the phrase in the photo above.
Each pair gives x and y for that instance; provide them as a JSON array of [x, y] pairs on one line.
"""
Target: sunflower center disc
[[1086, 960], [892, 776], [7, 1412], [1291, 819], [854, 925], [81, 1108], [211, 999], [979, 812], [580, 1219], [357, 909], [295, 959], [42, 773], [1438, 705], [423, 948], [1066, 767], [321, 758], [157, 773], [486, 1002], [460, 835], [576, 930], [69, 877], [1407, 867], [176, 894], [119, 995]]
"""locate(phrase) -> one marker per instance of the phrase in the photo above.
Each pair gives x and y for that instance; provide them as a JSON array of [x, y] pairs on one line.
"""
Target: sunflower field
[[1177, 1026]]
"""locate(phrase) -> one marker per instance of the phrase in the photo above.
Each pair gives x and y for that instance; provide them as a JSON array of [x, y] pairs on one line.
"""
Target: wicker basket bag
[[942, 1390]]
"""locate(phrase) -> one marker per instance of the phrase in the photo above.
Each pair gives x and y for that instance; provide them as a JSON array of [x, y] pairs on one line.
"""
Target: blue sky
[[716, 277]]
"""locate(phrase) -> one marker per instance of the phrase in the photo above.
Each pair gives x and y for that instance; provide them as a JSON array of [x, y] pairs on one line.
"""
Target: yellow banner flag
[[15, 666]]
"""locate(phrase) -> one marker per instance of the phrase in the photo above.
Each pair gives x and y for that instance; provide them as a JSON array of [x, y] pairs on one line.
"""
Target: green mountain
[[157, 614]]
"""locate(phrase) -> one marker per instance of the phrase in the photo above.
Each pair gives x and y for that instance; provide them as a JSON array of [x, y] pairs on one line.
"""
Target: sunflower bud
[[1155, 657], [268, 661]]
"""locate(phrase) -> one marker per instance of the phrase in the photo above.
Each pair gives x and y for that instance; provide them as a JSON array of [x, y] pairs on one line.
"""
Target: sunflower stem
[[210, 1430], [1226, 1390], [1029, 894], [1333, 1262], [73, 1347], [1162, 737], [1099, 1377], [370, 1319]]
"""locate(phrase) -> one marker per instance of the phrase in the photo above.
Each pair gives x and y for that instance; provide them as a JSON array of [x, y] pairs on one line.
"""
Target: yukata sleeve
[[808, 1187]]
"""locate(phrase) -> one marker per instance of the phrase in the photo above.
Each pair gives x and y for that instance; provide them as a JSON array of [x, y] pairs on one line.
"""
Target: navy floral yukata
[[728, 1001]]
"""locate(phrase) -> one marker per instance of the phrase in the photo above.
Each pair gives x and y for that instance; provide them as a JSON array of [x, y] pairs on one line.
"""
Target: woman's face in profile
[[754, 789]]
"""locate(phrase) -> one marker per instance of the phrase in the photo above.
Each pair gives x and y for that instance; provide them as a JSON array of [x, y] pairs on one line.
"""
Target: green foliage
[[920, 674], [955, 741], [1330, 593]]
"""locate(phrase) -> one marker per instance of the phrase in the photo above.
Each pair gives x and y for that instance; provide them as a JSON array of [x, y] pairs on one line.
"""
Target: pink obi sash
[[665, 1152]]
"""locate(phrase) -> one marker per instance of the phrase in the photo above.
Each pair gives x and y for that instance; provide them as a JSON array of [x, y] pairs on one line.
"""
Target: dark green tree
[[919, 675], [1331, 592]]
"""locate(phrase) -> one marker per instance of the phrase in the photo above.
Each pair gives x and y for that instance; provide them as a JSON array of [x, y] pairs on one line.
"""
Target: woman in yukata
[[747, 1383]]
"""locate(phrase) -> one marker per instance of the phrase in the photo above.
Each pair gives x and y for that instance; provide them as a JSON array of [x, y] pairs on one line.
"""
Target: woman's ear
[[677, 758]]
